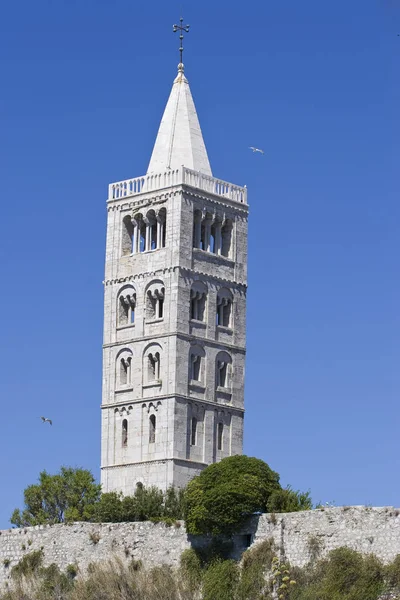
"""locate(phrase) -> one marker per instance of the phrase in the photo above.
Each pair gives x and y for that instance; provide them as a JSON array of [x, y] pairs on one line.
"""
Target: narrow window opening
[[154, 236], [203, 236], [142, 239], [196, 364], [123, 312], [123, 372], [151, 367], [152, 429], [193, 308], [124, 433], [127, 236], [223, 371], [160, 308], [226, 316], [220, 435], [226, 234], [163, 233], [213, 239], [132, 316], [193, 436]]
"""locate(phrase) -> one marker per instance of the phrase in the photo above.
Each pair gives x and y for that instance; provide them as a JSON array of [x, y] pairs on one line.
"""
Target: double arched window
[[155, 295], [124, 369], [196, 364], [224, 308], [126, 305], [198, 297], [152, 365], [223, 370]]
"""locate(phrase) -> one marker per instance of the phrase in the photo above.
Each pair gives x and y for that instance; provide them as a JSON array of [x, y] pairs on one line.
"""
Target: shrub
[[28, 565], [225, 494], [344, 575], [94, 537], [288, 500], [221, 580]]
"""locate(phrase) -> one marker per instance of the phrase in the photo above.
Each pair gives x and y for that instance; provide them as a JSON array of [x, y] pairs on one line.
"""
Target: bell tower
[[174, 312]]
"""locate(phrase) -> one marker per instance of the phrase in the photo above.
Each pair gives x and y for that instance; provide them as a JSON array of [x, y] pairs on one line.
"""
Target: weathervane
[[181, 28]]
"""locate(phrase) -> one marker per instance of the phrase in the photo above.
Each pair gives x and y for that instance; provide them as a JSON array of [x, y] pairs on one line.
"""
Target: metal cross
[[181, 28]]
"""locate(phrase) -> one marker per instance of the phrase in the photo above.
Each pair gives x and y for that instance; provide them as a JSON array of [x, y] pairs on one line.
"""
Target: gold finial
[[181, 28]]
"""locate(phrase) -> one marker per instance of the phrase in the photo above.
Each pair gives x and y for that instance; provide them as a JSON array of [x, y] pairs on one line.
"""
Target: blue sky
[[315, 85]]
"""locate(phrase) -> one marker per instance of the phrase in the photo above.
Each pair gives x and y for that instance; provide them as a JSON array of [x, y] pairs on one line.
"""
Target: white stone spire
[[179, 139]]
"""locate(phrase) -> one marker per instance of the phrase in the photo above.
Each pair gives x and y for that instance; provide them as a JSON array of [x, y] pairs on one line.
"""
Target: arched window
[[220, 435], [196, 363], [155, 301], [193, 432], [224, 308], [126, 306], [223, 369], [198, 296], [124, 433], [152, 429], [123, 365]]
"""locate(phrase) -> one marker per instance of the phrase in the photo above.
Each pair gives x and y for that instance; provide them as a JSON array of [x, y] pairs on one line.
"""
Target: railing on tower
[[158, 181]]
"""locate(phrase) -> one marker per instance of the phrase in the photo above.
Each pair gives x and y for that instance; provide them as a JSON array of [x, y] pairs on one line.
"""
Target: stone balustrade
[[158, 181]]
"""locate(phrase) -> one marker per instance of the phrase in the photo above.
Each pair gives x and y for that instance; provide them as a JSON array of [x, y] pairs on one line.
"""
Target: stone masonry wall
[[365, 529]]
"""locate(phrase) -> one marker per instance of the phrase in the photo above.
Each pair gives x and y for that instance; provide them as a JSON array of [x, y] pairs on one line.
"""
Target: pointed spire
[[179, 140]]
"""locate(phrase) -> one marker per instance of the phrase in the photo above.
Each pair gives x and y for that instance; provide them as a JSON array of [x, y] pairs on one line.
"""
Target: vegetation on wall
[[343, 575], [226, 493]]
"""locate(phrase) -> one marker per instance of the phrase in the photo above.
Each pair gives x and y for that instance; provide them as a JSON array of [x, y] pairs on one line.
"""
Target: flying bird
[[45, 420], [256, 149]]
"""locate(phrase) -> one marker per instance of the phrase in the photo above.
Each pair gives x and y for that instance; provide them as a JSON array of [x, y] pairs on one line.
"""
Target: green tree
[[223, 496], [70, 495]]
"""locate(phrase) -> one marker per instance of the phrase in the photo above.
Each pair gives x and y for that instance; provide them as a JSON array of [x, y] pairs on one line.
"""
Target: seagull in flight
[[45, 420], [256, 149]]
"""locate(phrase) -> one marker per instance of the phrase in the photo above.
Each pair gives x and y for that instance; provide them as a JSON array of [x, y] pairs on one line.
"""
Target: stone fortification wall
[[297, 535], [362, 528]]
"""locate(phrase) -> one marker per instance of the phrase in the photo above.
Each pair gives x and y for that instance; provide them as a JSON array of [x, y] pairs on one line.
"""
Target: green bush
[[226, 493]]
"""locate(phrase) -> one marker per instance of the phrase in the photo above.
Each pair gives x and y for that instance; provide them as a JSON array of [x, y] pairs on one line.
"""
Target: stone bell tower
[[174, 312]]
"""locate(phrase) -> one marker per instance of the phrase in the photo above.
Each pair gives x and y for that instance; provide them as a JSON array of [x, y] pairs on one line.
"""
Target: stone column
[[218, 226]]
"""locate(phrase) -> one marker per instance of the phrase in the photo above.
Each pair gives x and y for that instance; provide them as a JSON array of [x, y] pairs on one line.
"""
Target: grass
[[343, 575]]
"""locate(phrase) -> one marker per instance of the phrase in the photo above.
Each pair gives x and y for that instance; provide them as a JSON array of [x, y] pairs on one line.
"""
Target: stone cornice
[[184, 271], [158, 461], [157, 196], [217, 405], [182, 335]]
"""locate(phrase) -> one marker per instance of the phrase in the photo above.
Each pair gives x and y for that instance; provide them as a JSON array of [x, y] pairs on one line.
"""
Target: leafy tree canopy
[[70, 495], [226, 493]]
